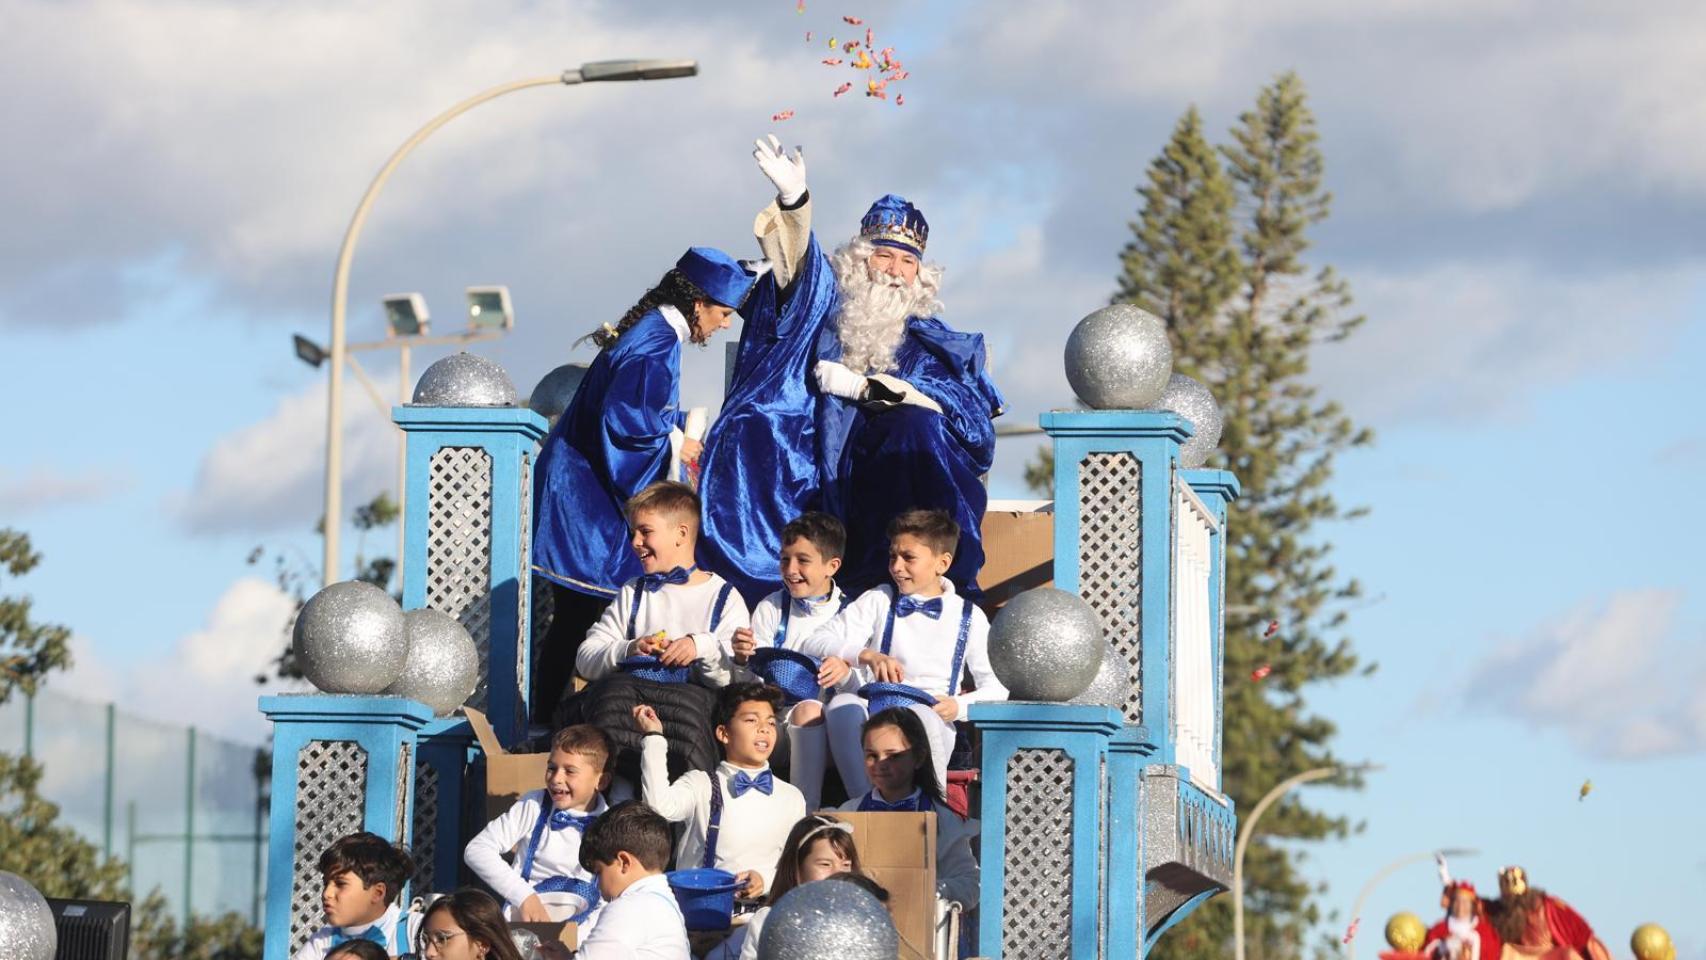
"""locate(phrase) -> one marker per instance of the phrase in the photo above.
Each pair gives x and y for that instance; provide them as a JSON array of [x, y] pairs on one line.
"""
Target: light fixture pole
[[607, 70], [1248, 827]]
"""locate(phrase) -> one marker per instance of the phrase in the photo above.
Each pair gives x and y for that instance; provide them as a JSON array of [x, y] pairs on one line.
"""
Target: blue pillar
[[340, 764], [466, 534], [442, 804], [1044, 836]]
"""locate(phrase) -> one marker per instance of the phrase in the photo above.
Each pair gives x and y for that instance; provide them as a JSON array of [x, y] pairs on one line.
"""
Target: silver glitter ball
[[464, 380], [1191, 400], [828, 920], [526, 942], [1046, 644], [1112, 682], [350, 638], [1118, 358], [555, 390], [443, 665], [27, 931]]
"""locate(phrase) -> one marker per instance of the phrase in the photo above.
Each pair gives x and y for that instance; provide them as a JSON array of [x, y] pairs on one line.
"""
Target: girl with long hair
[[819, 847], [616, 437], [466, 925]]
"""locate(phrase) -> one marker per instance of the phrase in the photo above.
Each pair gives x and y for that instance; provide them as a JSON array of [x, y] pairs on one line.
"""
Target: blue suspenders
[[716, 611], [584, 889], [959, 642]]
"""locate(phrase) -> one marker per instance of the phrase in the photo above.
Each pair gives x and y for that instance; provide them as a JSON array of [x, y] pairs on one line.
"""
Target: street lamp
[[406, 315], [600, 71], [1248, 827], [1387, 871], [489, 307]]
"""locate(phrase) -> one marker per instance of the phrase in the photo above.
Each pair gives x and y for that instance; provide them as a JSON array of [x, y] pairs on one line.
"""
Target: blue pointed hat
[[893, 222], [721, 277]]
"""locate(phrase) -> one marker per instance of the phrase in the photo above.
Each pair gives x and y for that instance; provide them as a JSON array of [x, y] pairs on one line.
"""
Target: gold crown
[[1513, 881]]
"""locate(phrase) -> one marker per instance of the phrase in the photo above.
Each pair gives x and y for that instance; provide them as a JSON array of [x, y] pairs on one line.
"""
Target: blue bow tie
[[907, 606], [653, 582], [873, 802], [809, 605], [563, 819], [372, 933], [763, 783]]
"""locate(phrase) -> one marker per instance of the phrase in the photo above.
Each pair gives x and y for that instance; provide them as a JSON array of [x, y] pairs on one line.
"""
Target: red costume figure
[[1535, 925], [1465, 933]]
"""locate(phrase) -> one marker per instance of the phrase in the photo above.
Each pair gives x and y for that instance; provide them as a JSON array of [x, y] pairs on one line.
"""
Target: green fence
[[186, 810]]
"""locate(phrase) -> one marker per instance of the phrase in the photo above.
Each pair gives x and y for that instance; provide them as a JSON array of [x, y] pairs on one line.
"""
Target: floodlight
[[637, 70], [406, 314], [308, 351], [489, 308]]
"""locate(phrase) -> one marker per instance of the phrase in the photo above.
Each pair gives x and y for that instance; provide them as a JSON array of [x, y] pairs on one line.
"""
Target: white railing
[[1194, 528]]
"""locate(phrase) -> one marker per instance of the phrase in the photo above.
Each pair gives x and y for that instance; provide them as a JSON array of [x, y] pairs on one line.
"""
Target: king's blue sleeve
[[953, 374]]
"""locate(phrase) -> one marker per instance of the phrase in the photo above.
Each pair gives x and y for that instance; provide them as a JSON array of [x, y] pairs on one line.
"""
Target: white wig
[[875, 307]]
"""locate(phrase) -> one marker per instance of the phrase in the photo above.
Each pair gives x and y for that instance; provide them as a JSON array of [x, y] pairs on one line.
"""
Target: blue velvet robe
[[610, 443], [779, 448]]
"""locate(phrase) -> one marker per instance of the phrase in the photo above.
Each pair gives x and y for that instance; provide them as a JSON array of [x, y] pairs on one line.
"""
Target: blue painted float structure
[[1103, 826]]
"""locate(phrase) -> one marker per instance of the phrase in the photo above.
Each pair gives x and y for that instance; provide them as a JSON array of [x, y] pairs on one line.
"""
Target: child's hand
[[647, 646], [751, 884], [533, 910], [947, 708], [832, 671], [647, 720], [882, 666], [744, 644], [690, 449], [679, 652]]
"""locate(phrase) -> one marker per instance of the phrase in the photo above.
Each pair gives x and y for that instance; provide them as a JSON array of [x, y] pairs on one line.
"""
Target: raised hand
[[744, 644], [646, 719], [786, 173]]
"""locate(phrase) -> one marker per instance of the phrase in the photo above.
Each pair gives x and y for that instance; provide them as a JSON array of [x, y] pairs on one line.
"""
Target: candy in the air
[[1261, 673], [850, 46], [855, 21], [1351, 933], [868, 42], [843, 89], [808, 36], [800, 7], [899, 99], [832, 61], [863, 62], [784, 115], [833, 43], [1587, 788]]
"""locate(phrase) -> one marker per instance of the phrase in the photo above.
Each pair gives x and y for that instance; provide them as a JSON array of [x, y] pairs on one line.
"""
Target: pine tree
[[28, 650]]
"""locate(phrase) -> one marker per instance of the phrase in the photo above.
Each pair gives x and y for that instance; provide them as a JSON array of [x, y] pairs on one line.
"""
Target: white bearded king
[[849, 395]]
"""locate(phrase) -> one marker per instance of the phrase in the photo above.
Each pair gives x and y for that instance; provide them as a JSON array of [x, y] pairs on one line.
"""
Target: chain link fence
[[186, 810]]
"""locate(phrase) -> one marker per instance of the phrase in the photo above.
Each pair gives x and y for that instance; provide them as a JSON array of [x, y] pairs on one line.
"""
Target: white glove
[[787, 173], [838, 381]]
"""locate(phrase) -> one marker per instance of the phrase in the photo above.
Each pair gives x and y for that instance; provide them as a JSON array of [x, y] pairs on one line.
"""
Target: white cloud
[[1614, 677], [207, 678], [269, 476], [44, 487]]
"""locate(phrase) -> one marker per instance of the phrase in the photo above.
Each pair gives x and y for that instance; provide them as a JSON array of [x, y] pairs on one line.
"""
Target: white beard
[[875, 306]]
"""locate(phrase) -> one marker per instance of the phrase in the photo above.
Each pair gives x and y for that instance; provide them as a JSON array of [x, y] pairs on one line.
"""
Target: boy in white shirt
[[627, 850], [737, 818], [544, 829], [812, 547], [363, 873], [674, 611], [918, 632]]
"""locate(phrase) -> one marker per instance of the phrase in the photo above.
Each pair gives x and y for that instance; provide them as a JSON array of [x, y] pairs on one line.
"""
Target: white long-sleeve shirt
[[320, 943], [753, 828], [677, 610], [957, 873], [643, 923], [924, 647], [559, 853]]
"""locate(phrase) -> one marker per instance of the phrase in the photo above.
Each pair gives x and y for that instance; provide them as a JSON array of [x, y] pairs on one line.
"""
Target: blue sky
[[1518, 188]]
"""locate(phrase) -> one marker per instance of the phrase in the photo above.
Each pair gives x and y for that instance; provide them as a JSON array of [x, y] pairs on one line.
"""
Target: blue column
[[466, 534], [1044, 834], [1128, 855], [340, 764], [442, 811]]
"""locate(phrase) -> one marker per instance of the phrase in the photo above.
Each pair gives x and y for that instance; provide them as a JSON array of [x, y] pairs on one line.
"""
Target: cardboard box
[[1018, 555], [508, 775], [566, 932], [898, 850]]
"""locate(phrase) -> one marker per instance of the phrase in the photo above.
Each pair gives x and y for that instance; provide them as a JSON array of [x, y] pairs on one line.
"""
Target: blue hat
[[893, 222], [718, 274]]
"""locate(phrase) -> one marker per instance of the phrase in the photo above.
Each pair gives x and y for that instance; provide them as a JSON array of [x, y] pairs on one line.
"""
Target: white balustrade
[[1194, 528]]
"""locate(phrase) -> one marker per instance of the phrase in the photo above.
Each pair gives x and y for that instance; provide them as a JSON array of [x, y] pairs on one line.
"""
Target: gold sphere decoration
[[1405, 932], [1651, 942]]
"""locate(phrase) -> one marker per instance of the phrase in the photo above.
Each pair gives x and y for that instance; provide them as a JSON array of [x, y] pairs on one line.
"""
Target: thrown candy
[[784, 115], [855, 21], [868, 37], [1587, 788], [1351, 933], [808, 36], [899, 99], [1261, 673], [833, 44], [1273, 628], [864, 61], [843, 89], [850, 46], [800, 7], [832, 61]]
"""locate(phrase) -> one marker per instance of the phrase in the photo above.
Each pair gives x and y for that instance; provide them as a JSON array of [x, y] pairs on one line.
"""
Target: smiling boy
[[737, 818]]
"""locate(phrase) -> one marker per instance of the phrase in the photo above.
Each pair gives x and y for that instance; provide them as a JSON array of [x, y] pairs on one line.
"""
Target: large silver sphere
[[1191, 400], [1046, 644], [1118, 358], [828, 920], [464, 380], [443, 665], [551, 397], [350, 638], [27, 931], [1112, 682]]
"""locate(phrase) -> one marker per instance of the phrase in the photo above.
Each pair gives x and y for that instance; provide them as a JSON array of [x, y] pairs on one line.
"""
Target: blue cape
[[610, 443], [779, 448]]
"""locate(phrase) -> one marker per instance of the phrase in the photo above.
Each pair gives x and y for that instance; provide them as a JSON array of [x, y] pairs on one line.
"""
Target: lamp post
[[1248, 827], [607, 70], [1387, 871]]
